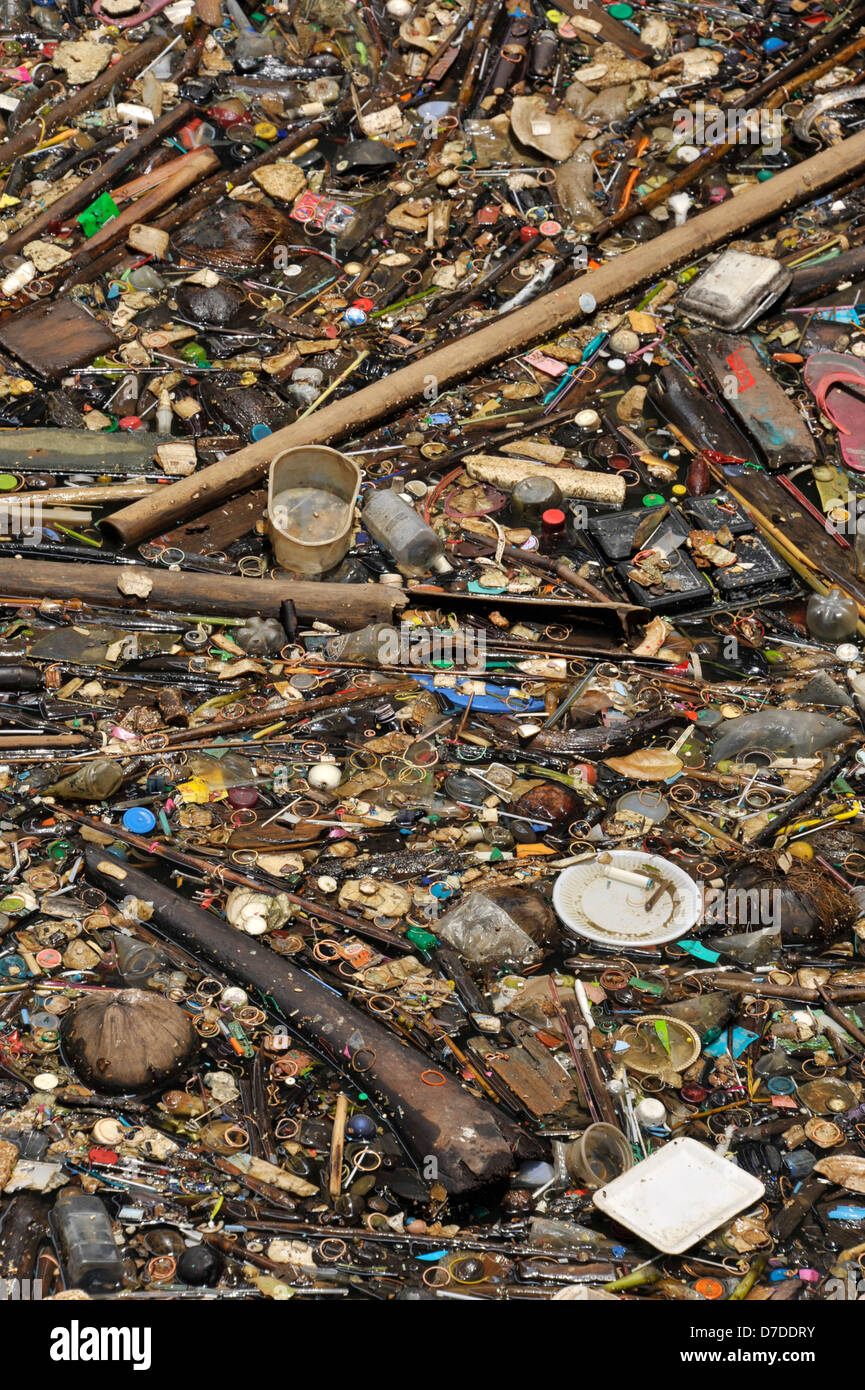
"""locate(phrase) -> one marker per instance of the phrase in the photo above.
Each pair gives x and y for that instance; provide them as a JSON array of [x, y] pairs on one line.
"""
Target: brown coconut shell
[[127, 1040], [528, 908]]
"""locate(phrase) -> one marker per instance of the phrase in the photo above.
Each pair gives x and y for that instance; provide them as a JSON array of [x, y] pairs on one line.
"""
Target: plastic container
[[679, 1195], [88, 1254], [831, 617], [311, 496], [403, 534], [532, 497], [601, 1154]]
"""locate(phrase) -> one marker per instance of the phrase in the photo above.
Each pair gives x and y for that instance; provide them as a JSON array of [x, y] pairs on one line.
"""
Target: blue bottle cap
[[260, 432], [139, 820], [354, 316]]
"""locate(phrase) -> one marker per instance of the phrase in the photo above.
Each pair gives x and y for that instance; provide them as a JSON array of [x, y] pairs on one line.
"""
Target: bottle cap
[[139, 820]]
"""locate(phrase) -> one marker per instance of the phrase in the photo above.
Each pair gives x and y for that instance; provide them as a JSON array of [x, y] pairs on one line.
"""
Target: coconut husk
[[807, 904], [127, 1040], [528, 908]]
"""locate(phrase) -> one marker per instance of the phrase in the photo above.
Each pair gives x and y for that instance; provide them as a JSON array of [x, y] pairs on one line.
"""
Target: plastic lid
[[139, 820], [553, 518]]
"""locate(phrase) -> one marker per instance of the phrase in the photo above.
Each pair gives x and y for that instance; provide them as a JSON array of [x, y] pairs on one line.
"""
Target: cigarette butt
[[626, 876]]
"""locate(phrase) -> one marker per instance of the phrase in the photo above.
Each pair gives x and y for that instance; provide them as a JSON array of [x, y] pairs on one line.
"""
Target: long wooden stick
[[502, 338], [347, 605], [186, 170], [337, 1145], [434, 1114], [86, 97], [87, 189]]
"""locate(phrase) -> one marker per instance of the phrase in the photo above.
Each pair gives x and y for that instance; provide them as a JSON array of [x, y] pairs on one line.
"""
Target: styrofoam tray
[[679, 1195], [581, 892]]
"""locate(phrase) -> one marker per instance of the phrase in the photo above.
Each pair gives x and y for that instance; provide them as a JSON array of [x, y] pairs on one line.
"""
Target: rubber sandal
[[837, 382]]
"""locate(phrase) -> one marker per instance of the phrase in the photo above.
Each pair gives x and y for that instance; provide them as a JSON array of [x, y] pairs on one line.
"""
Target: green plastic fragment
[[424, 939], [98, 213], [645, 986]]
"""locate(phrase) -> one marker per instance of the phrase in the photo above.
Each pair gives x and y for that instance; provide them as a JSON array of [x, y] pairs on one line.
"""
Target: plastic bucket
[[314, 470]]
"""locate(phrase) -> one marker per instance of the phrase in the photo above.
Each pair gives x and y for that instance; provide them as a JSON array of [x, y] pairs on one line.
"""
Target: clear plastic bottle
[[403, 534], [88, 1253], [376, 643]]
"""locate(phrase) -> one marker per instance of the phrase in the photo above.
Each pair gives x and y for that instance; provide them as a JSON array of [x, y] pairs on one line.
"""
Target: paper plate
[[614, 914]]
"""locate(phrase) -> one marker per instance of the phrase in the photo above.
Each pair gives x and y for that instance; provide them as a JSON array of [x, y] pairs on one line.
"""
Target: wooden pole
[[183, 172], [437, 1118], [182, 591], [86, 97], [466, 355], [213, 188], [87, 189]]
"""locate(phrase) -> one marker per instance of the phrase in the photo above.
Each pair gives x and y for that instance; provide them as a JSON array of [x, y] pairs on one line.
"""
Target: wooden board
[[53, 338]]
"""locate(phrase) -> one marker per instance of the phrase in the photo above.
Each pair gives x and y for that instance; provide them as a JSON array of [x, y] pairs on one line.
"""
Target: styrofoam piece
[[679, 1195]]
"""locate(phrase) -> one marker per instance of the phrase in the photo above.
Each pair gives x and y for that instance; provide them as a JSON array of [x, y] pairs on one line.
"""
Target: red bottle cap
[[553, 519], [528, 233]]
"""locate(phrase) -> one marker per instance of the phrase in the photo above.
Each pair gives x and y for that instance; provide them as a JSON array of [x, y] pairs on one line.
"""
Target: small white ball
[[324, 777]]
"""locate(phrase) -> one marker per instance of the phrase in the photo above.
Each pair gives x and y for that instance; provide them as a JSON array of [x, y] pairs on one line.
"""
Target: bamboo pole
[[186, 170], [459, 359]]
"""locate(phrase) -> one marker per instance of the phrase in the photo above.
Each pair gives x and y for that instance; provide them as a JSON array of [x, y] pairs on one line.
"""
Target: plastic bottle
[[136, 960], [164, 413], [832, 617], [88, 1253], [403, 534], [376, 643], [94, 782]]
